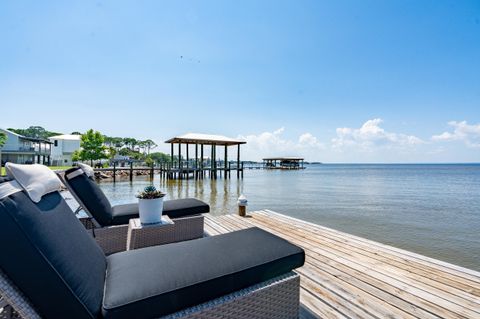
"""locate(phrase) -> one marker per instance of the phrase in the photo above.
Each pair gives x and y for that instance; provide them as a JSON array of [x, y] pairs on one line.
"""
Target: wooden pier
[[180, 170], [199, 142], [346, 276]]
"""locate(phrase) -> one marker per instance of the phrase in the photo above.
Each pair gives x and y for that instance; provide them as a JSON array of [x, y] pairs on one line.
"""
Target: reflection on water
[[220, 194], [430, 209]]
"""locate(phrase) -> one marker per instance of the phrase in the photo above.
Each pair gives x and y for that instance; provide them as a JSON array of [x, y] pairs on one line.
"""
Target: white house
[[63, 147]]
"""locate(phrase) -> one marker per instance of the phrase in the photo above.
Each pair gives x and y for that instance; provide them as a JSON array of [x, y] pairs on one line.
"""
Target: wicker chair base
[[275, 298], [278, 298], [113, 239], [15, 299]]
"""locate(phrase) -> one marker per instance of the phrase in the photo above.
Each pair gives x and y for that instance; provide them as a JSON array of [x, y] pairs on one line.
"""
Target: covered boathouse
[[192, 156], [283, 163]]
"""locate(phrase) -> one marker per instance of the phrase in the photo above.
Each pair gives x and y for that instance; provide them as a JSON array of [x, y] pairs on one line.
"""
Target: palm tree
[[3, 139]]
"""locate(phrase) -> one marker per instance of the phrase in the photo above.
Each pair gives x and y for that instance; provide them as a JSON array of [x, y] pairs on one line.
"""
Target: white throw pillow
[[87, 169], [37, 180]]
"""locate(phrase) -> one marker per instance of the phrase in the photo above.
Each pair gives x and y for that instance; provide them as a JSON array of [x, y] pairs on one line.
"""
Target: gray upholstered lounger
[[51, 268], [112, 221]]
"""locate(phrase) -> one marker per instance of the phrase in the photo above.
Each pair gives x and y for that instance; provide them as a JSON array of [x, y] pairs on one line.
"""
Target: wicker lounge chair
[[109, 224], [51, 268]]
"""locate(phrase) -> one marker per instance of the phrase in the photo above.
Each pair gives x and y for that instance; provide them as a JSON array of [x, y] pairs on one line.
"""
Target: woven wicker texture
[[114, 239], [15, 298], [111, 239], [273, 299], [183, 229]]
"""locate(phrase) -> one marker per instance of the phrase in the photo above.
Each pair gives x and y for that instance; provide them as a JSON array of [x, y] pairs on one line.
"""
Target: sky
[[333, 81]]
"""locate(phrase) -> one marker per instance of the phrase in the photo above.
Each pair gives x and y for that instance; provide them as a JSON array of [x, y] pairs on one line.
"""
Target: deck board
[[346, 276]]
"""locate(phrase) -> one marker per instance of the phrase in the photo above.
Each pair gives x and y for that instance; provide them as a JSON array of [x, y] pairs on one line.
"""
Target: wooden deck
[[351, 277]]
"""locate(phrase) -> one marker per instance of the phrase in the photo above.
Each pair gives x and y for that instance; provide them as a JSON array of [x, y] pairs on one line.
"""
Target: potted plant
[[150, 205]]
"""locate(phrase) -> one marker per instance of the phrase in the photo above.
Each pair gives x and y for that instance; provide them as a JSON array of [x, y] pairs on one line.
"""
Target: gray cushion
[[174, 208], [159, 280], [177, 208], [92, 197], [50, 257]]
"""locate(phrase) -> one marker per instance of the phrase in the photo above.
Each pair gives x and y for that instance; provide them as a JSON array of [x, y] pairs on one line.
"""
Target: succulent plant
[[150, 192]]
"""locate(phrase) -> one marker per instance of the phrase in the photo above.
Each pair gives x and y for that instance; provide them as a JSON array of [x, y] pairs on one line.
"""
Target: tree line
[[95, 146]]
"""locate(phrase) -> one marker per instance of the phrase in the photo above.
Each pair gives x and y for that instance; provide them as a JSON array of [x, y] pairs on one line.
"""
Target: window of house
[[55, 142]]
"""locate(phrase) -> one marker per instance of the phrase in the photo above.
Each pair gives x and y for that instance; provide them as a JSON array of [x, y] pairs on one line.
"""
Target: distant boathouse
[[283, 163]]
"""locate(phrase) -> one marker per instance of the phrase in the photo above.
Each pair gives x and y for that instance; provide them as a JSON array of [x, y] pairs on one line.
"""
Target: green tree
[[124, 152], [130, 142], [35, 132], [141, 146], [76, 156], [118, 142], [160, 157], [3, 140], [112, 151], [149, 144], [92, 148], [149, 161], [107, 140]]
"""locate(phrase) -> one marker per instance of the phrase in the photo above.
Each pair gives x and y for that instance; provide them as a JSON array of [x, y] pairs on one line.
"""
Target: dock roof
[[198, 138]]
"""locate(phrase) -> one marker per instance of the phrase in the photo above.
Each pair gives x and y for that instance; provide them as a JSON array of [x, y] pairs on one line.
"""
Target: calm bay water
[[429, 209]]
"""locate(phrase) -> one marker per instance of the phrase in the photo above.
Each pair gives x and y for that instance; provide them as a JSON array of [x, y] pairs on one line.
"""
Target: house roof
[[32, 139], [198, 138], [66, 137]]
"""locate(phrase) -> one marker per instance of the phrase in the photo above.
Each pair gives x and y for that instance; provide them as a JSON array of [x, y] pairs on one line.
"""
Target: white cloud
[[371, 135], [308, 140], [462, 131], [275, 144]]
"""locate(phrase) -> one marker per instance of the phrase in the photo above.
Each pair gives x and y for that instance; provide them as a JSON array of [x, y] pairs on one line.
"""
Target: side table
[[140, 236]]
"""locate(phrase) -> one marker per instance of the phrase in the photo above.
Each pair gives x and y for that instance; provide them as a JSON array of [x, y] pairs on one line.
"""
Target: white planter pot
[[150, 210]]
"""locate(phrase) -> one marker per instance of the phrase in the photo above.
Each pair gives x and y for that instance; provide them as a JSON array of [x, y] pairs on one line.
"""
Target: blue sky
[[334, 81]]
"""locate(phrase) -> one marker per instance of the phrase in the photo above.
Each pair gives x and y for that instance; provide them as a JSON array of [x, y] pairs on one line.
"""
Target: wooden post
[[188, 163], [131, 171], [171, 152], [242, 211], [114, 171], [196, 160], [215, 161], [212, 157], [238, 160], [151, 171], [201, 161], [179, 159], [225, 161]]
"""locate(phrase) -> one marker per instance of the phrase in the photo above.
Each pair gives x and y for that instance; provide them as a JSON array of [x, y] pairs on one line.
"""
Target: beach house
[[63, 147], [25, 150]]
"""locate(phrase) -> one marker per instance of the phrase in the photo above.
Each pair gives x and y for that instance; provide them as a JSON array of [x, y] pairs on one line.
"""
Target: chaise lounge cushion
[[175, 208], [50, 257], [160, 280], [91, 196]]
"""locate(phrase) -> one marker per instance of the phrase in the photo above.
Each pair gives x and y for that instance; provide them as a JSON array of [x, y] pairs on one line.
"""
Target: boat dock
[[283, 163], [346, 276]]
